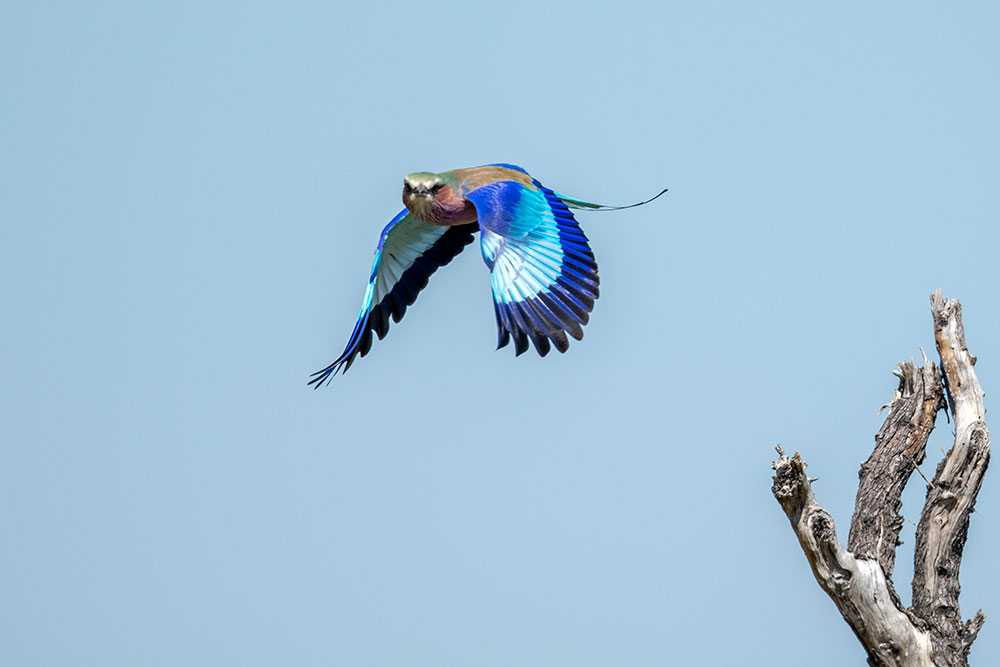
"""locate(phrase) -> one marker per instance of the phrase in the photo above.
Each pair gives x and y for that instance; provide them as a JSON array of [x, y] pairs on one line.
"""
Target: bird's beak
[[421, 191]]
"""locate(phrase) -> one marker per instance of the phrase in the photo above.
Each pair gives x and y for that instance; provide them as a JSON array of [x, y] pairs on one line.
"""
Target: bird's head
[[431, 198], [423, 185]]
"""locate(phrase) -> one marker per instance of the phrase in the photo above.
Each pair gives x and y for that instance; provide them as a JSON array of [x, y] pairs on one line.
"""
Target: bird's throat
[[445, 209]]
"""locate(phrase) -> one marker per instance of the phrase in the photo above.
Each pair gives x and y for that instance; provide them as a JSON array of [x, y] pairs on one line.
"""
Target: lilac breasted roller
[[542, 269]]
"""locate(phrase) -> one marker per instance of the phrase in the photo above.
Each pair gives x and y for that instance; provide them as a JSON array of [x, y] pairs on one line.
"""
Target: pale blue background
[[190, 195]]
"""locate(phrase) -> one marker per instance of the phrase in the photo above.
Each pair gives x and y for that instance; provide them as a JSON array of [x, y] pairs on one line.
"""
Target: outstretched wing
[[542, 269], [409, 251]]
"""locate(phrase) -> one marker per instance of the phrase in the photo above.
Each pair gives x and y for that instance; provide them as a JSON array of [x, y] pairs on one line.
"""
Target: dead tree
[[930, 632]]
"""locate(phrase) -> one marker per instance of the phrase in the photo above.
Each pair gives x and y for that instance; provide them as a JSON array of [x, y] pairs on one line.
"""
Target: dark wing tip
[[543, 324], [322, 376], [341, 364], [325, 376]]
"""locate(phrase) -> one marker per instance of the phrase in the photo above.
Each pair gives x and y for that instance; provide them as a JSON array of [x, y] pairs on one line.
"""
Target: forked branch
[[859, 579]]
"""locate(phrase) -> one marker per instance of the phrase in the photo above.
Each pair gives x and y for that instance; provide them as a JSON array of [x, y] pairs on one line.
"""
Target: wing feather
[[543, 271], [408, 252]]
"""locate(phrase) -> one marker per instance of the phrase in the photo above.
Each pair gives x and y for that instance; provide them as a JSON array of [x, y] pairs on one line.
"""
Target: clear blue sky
[[190, 194]]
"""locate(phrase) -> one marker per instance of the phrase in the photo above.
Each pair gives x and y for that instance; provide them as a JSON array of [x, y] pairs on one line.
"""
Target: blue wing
[[409, 251], [542, 269]]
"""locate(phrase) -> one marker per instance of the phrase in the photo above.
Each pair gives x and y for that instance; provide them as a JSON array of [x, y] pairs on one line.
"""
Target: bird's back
[[476, 177]]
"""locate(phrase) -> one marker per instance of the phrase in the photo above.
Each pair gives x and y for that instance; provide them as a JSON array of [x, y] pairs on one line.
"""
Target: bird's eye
[[407, 186], [437, 187]]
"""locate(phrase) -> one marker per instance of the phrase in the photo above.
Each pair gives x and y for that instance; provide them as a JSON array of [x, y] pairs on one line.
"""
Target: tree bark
[[930, 633], [944, 523]]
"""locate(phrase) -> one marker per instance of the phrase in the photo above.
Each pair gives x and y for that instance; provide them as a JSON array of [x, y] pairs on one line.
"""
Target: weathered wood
[[859, 579], [858, 586], [899, 447], [944, 523]]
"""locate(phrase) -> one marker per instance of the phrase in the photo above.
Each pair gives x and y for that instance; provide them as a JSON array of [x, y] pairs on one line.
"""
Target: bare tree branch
[[944, 523], [899, 447], [857, 586], [859, 579]]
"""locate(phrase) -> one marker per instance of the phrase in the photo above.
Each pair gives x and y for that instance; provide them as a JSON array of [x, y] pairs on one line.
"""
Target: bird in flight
[[542, 269]]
